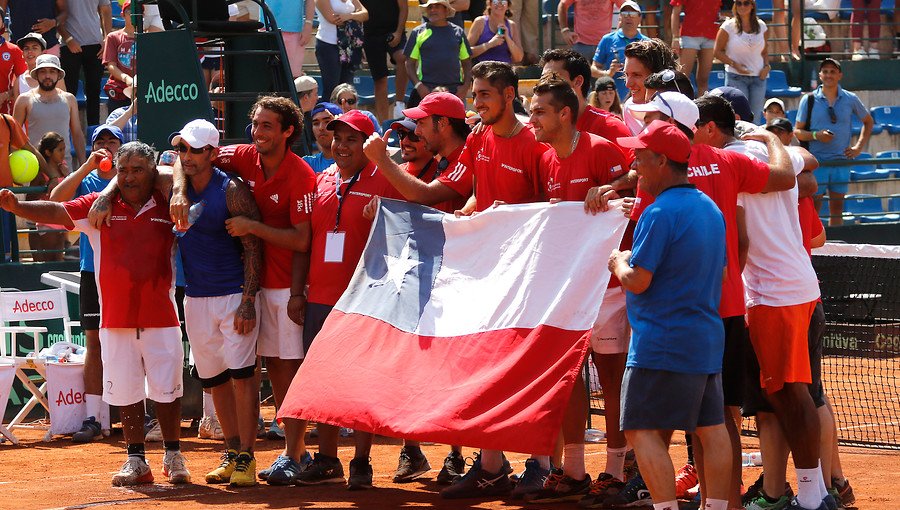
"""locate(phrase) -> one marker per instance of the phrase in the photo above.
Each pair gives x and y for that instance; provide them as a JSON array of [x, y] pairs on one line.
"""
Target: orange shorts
[[779, 335]]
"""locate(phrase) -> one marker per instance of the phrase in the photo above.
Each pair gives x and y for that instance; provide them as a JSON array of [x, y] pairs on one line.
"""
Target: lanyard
[[425, 169], [337, 192]]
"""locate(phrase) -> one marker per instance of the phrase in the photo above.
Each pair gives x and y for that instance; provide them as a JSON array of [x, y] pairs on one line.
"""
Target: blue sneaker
[[284, 471], [531, 481], [635, 493]]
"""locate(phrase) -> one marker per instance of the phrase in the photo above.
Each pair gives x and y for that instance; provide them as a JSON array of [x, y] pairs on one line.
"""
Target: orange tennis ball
[[23, 165]]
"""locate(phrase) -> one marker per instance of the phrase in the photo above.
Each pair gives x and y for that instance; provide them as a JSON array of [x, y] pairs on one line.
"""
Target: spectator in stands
[[32, 45], [494, 36], [126, 117], [88, 23], [322, 114], [345, 96], [438, 54], [43, 236], [459, 6], [866, 14], [773, 109], [827, 126], [694, 40], [12, 66], [339, 41], [120, 59], [593, 20], [385, 37], [742, 44], [295, 19], [605, 97], [526, 14], [46, 17], [307, 96], [609, 56], [46, 108]]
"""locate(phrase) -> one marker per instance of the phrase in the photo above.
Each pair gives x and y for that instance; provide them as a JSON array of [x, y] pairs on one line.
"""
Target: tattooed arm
[[240, 203]]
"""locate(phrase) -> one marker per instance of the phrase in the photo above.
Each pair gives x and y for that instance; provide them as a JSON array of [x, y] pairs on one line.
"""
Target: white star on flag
[[398, 267]]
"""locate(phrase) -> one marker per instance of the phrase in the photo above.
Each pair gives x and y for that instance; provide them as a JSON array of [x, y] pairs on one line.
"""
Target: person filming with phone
[[494, 36]]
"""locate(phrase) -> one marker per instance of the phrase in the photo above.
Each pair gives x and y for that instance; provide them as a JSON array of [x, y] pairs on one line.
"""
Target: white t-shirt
[[745, 48], [327, 30], [631, 122], [778, 270]]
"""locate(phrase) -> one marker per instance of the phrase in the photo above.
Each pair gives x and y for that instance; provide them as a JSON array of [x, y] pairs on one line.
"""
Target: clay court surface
[[38, 475]]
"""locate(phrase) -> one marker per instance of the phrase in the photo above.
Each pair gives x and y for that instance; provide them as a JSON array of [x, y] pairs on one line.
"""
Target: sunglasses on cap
[[403, 134], [667, 76], [182, 148], [665, 103], [351, 101]]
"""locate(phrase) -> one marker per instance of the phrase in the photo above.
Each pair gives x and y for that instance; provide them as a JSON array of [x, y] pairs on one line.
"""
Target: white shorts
[[279, 336], [216, 348], [140, 364], [611, 331]]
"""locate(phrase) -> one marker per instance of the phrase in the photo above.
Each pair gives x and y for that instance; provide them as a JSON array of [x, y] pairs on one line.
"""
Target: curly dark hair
[[653, 53], [288, 113]]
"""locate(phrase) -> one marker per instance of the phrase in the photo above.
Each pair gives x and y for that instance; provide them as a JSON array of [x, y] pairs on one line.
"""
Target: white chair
[[17, 308]]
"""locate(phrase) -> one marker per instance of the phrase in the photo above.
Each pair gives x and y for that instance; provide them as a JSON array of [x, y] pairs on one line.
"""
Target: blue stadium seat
[[888, 155], [868, 171], [79, 95], [887, 116], [393, 141], [116, 8], [894, 203], [859, 207], [791, 116], [716, 79], [846, 9], [777, 85], [764, 10], [118, 23], [857, 126]]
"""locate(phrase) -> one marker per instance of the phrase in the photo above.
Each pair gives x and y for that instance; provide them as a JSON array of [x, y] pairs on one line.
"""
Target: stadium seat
[[791, 116], [846, 9], [716, 79], [894, 203], [118, 23], [764, 10], [87, 138], [393, 141], [79, 95], [777, 85], [863, 208], [888, 117], [869, 175], [894, 167], [857, 126]]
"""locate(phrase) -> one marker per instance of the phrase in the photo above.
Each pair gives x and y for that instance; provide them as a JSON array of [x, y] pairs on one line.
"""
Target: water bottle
[[594, 436], [756, 458], [193, 213], [745, 460]]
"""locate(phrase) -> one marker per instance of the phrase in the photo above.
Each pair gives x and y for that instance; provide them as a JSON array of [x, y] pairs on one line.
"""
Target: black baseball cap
[[829, 60], [780, 123]]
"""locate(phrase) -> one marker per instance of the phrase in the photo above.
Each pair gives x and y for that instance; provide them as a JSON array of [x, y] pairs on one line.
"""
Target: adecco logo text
[[163, 93], [32, 306]]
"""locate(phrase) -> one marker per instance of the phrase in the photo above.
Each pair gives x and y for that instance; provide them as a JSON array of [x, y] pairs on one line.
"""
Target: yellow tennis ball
[[23, 165]]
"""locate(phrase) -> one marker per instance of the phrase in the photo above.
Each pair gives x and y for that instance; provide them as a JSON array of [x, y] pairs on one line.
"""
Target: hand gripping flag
[[463, 331]]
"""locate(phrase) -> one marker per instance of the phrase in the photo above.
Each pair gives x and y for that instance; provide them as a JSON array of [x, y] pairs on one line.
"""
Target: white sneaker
[[210, 428], [174, 468], [154, 435], [874, 53], [859, 54], [134, 472], [398, 110]]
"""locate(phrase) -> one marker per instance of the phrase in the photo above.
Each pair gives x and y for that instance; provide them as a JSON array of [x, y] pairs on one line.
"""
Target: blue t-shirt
[[91, 183], [846, 106], [680, 238], [318, 162], [289, 14], [612, 46]]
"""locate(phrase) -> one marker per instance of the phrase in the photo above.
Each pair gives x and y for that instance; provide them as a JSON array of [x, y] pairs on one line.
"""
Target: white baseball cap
[[305, 83], [629, 4], [674, 104], [197, 134]]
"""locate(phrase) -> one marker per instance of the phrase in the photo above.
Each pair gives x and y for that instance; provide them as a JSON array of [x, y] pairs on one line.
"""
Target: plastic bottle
[[105, 165], [193, 213], [745, 460], [594, 436], [756, 458]]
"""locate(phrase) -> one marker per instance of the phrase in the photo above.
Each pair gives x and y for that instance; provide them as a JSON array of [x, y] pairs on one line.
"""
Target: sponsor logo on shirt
[[511, 168], [305, 204], [703, 170], [274, 197], [118, 218], [578, 181], [161, 220], [552, 185], [361, 194], [481, 156]]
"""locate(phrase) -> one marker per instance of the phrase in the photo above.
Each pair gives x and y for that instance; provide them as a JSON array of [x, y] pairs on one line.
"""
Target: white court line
[[870, 425], [130, 501]]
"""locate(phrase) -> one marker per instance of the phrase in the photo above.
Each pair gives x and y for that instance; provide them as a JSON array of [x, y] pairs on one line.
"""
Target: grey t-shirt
[[84, 21]]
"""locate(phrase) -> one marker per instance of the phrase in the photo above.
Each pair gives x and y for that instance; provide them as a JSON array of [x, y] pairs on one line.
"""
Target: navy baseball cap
[[113, 130], [325, 106], [405, 123], [738, 101]]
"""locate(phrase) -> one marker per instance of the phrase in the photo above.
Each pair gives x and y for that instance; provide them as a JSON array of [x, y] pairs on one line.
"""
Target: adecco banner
[[32, 305], [170, 85], [65, 394]]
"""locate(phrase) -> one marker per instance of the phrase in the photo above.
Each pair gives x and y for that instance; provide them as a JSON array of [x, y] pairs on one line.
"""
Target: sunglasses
[[629, 14], [403, 134], [667, 76], [832, 114], [351, 101], [742, 3], [666, 104], [182, 148]]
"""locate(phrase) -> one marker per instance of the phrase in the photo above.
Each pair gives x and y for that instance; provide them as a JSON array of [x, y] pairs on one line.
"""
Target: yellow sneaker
[[222, 474], [244, 474]]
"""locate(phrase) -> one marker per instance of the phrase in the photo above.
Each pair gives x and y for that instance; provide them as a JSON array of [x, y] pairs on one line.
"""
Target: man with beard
[[46, 108]]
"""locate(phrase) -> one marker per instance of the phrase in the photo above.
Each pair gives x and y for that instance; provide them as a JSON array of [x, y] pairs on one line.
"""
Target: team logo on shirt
[[481, 156], [305, 204], [274, 197], [6, 56], [703, 170], [552, 185]]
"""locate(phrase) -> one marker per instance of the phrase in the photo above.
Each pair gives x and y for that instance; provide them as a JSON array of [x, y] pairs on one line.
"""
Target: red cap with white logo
[[662, 138]]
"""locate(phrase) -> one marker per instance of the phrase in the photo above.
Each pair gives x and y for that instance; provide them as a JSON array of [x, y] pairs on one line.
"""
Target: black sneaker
[[90, 429], [478, 483], [635, 493], [360, 475], [412, 465], [454, 468], [565, 489], [324, 469]]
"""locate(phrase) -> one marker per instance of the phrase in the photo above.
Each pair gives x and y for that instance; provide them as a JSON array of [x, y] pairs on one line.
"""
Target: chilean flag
[[463, 331]]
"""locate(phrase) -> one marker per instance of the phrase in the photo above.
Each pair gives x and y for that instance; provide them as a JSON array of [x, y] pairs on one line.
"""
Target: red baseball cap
[[662, 138], [444, 104], [357, 120]]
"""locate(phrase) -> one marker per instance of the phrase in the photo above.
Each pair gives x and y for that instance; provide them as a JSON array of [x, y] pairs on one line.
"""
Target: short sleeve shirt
[[119, 50], [83, 22], [593, 19], [438, 52], [91, 183], [700, 17], [721, 175], [12, 138], [675, 323], [318, 162], [612, 46], [135, 261], [846, 106], [433, 170], [12, 65], [505, 169], [284, 200], [605, 124], [328, 280], [289, 14]]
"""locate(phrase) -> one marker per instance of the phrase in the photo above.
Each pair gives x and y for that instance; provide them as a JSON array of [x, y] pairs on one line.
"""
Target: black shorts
[[663, 400], [378, 51], [733, 360], [89, 301], [313, 322], [754, 399]]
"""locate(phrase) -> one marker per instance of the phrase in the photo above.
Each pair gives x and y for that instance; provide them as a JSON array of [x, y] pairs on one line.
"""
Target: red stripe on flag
[[500, 390]]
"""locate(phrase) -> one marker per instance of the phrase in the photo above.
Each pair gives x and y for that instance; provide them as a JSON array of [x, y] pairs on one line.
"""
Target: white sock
[[209, 408], [491, 461], [92, 405], [573, 460], [822, 488], [668, 505], [808, 494], [615, 462], [716, 504], [544, 460]]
